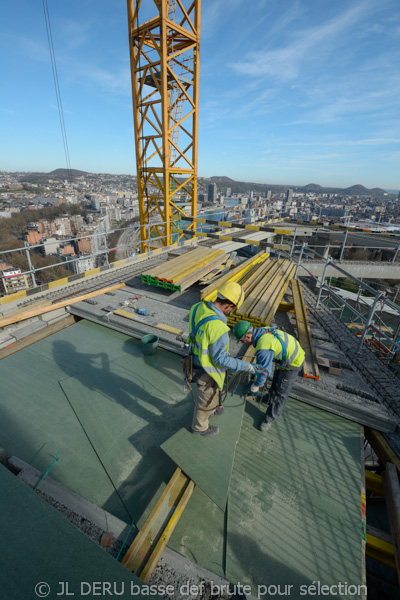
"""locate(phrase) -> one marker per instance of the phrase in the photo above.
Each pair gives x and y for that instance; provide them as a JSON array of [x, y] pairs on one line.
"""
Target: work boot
[[218, 411], [208, 432], [265, 425]]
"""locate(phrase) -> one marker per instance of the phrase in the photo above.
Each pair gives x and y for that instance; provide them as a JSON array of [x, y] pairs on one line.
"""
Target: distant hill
[[312, 187], [242, 187], [63, 173], [222, 178]]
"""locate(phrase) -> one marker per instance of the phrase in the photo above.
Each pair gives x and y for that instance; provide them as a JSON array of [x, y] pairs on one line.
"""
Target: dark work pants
[[282, 383]]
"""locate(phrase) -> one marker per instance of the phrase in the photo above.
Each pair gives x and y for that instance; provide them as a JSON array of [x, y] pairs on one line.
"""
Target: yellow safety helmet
[[232, 291]]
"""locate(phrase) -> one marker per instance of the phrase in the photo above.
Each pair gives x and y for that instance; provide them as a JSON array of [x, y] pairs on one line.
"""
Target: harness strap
[[194, 327]]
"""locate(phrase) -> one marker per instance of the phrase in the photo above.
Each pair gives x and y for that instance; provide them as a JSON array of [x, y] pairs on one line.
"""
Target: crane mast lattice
[[165, 52]]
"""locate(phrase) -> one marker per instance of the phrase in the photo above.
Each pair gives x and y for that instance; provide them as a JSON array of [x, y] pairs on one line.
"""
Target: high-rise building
[[289, 195], [212, 192], [228, 192]]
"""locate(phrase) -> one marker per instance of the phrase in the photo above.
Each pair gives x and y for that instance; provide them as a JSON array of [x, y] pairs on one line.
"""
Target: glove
[[255, 369], [252, 390]]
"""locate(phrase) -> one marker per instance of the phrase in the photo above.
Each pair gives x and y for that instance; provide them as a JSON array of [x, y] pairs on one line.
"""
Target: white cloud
[[309, 44]]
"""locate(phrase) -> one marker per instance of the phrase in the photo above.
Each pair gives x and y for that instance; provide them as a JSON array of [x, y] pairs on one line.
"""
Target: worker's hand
[[252, 390], [251, 369]]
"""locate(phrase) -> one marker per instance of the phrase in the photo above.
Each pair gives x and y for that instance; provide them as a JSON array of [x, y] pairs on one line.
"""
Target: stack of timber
[[263, 289], [264, 282], [180, 273]]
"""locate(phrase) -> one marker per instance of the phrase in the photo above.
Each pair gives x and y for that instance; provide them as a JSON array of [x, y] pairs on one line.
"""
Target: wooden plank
[[310, 367], [374, 483], [162, 542], [37, 336], [40, 311], [252, 297], [382, 448], [198, 265], [277, 295], [391, 487], [209, 293], [171, 272], [381, 551], [147, 547], [198, 273], [378, 533], [270, 291]]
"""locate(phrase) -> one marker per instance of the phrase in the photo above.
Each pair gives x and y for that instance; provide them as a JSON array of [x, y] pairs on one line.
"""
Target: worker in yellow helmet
[[209, 345]]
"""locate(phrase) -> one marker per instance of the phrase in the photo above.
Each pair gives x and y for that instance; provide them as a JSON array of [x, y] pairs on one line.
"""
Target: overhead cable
[[57, 86]]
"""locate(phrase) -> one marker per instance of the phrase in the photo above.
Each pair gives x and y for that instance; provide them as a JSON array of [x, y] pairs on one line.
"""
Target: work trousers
[[207, 402], [282, 383]]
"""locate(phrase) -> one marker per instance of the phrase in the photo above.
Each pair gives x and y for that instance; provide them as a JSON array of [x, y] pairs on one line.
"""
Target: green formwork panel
[[294, 507], [42, 553], [128, 410], [209, 461], [125, 406]]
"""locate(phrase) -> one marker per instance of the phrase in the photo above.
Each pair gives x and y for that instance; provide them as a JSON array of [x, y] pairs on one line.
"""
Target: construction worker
[[272, 345], [209, 345]]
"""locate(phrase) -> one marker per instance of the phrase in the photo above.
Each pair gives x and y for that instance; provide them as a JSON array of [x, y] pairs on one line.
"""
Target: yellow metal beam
[[165, 55]]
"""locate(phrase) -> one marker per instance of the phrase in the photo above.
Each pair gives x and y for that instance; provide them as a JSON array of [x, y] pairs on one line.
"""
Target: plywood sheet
[[294, 507], [43, 547], [209, 460], [295, 501]]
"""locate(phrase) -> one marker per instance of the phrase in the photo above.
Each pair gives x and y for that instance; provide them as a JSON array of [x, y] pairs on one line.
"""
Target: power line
[[57, 86]]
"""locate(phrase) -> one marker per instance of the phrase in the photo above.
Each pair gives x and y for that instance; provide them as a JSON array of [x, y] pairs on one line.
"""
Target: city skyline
[[291, 95]]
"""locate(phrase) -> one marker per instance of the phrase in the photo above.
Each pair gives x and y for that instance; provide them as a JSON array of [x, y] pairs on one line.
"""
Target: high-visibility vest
[[205, 328], [289, 354]]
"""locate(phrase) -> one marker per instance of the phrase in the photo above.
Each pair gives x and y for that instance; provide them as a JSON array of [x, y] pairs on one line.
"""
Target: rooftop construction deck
[[282, 509]]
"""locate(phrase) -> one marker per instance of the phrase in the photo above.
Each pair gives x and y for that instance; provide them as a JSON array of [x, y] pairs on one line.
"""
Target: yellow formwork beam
[[380, 550], [147, 547], [210, 292], [310, 367], [373, 483]]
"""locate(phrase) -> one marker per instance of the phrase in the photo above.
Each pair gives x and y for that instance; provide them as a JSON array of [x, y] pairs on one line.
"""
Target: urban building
[[212, 192], [12, 281]]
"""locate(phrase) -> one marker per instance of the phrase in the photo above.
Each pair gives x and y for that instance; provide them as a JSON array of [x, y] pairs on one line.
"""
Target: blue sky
[[291, 92]]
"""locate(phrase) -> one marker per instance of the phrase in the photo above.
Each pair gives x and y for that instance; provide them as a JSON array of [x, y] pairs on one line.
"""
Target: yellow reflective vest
[[207, 333], [294, 352]]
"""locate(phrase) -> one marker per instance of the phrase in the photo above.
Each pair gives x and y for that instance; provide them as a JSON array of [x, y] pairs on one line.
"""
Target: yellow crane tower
[[165, 52]]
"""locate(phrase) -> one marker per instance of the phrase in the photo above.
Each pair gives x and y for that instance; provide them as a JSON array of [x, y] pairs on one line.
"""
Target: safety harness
[[282, 357], [188, 360]]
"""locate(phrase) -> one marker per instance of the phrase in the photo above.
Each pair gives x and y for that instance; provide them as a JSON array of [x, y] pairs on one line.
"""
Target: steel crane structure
[[164, 53]]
